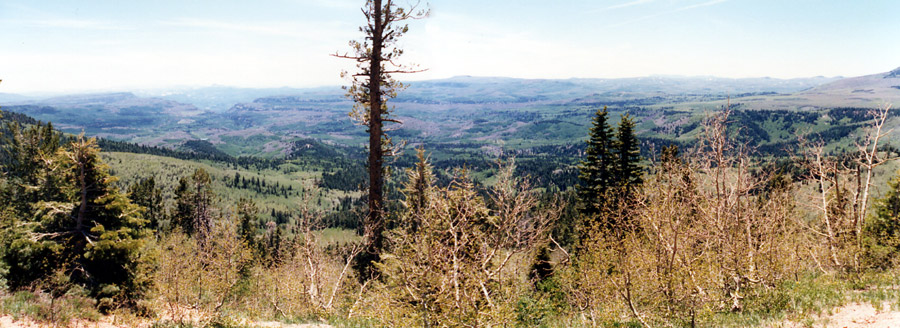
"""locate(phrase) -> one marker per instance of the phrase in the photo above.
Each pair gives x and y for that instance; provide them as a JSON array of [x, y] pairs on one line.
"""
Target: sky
[[111, 45]]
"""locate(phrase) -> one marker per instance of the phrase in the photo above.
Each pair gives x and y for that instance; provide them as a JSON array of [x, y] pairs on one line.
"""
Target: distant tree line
[[246, 162], [204, 147], [311, 148], [259, 185], [22, 119], [348, 177]]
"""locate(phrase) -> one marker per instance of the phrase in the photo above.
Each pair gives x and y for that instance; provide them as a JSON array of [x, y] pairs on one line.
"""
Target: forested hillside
[[539, 248]]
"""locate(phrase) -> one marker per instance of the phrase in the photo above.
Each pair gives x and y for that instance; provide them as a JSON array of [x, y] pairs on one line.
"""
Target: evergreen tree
[[670, 155], [542, 267], [274, 248], [628, 174], [25, 154], [417, 189], [598, 166], [193, 200], [146, 194], [247, 216], [88, 231], [377, 57], [184, 207]]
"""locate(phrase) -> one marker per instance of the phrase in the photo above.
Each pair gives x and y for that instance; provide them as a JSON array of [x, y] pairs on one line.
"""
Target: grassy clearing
[[337, 236], [303, 181], [55, 311]]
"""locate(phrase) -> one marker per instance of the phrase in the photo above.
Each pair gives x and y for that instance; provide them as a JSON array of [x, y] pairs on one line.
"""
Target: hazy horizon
[[96, 46], [172, 89]]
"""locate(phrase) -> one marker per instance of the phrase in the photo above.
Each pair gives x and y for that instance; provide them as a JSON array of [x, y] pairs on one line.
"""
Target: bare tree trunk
[[822, 172], [374, 219], [870, 161]]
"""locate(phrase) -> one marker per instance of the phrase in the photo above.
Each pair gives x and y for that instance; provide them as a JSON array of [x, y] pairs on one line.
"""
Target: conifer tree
[[670, 155], [88, 230], [598, 167], [193, 200], [377, 58], [247, 221], [24, 158], [628, 172], [542, 267], [417, 190], [145, 193]]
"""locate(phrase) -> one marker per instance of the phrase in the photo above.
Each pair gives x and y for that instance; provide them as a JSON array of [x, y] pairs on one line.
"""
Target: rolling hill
[[863, 91], [474, 115]]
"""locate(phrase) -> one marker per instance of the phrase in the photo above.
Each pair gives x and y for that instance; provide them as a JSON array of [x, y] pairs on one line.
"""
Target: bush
[[882, 230], [459, 258]]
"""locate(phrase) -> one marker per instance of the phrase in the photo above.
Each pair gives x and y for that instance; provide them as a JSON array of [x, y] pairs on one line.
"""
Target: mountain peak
[[893, 74]]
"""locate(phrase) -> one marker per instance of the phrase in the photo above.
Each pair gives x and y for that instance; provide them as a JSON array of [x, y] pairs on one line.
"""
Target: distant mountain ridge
[[11, 97], [459, 89], [461, 109], [468, 89], [113, 103], [871, 82]]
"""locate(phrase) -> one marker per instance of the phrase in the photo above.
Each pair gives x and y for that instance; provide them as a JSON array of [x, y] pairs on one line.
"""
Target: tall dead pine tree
[[372, 85]]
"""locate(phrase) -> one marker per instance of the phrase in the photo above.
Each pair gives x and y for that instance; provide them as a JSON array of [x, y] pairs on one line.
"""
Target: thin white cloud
[[628, 4], [65, 23], [620, 6], [268, 29], [650, 16], [339, 4], [638, 19], [699, 5], [26, 16], [285, 29]]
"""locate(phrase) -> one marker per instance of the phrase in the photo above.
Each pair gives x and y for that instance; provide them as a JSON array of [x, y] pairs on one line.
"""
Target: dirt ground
[[854, 315], [864, 315], [6, 321], [848, 316]]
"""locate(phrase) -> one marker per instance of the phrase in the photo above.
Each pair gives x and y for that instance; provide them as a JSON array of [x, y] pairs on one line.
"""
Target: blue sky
[[93, 45]]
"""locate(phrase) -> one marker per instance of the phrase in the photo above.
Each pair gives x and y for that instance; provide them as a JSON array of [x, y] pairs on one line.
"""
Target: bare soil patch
[[864, 315]]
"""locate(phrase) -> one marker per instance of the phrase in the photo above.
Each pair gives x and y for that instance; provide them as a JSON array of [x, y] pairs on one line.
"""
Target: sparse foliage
[[843, 192], [377, 57], [465, 257], [698, 240]]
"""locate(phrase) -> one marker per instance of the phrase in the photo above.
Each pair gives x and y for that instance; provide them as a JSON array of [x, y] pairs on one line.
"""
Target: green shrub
[[882, 230]]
